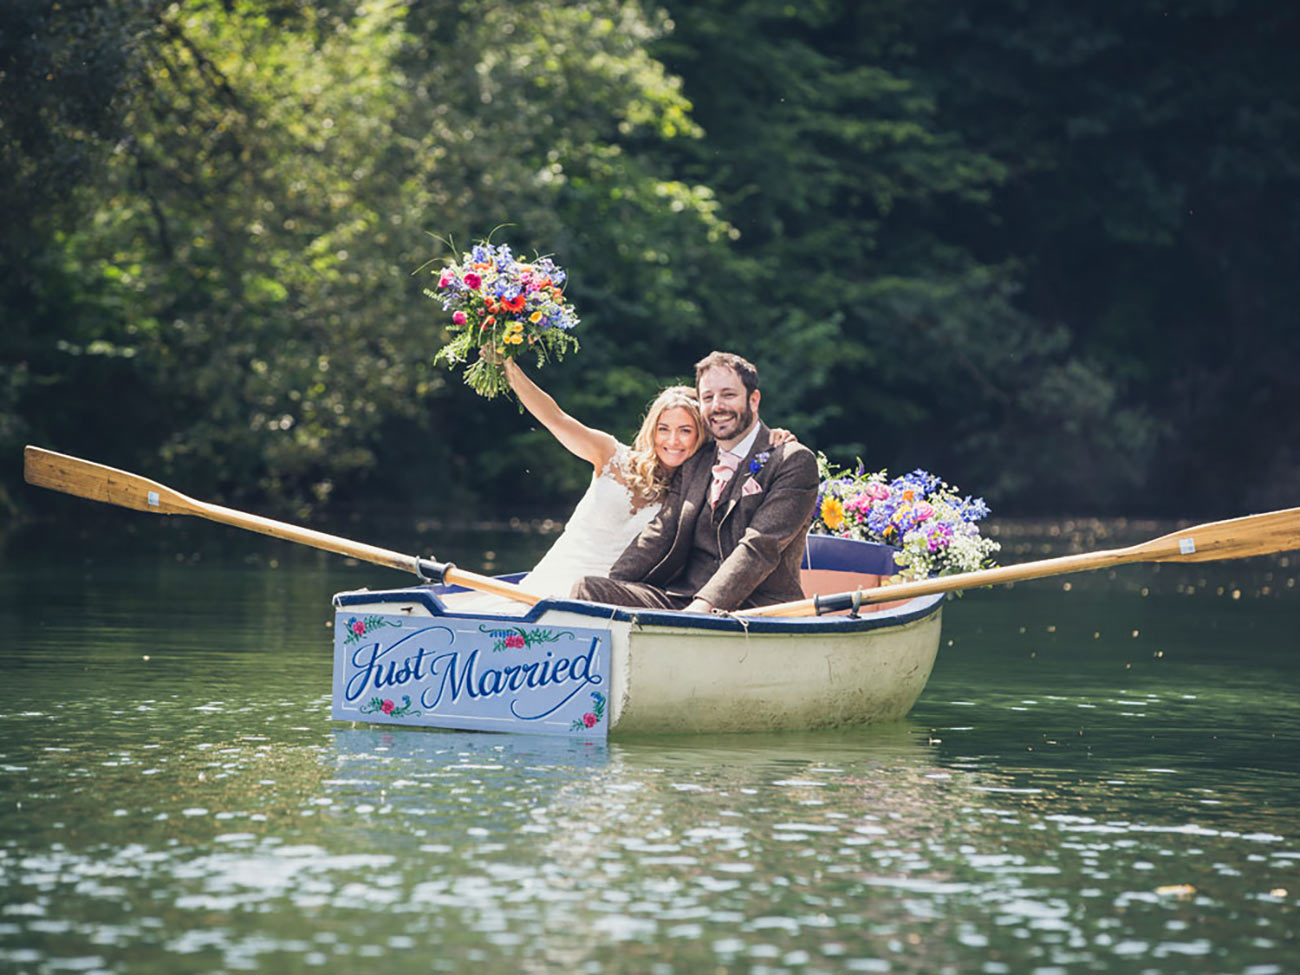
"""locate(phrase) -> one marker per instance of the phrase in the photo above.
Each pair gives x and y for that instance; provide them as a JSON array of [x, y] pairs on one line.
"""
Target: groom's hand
[[699, 605]]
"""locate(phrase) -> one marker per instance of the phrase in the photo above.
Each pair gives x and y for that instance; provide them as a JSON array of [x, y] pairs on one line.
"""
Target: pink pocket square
[[750, 487]]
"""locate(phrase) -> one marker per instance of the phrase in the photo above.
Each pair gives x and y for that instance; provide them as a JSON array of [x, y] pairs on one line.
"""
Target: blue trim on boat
[[824, 552], [427, 596]]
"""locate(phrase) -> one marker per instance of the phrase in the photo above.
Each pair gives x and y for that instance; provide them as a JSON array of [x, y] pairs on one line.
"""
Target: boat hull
[[680, 673], [677, 680]]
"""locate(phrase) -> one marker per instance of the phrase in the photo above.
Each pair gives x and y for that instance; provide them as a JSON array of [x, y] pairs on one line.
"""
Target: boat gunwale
[[427, 596]]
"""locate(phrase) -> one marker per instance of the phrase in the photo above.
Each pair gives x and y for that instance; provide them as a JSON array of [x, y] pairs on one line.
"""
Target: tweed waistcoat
[[704, 557]]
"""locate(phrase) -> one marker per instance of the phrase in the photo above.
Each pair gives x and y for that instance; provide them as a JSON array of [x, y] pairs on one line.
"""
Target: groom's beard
[[725, 429]]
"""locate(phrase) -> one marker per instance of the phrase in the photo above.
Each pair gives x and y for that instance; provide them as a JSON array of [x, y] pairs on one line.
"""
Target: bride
[[627, 487]]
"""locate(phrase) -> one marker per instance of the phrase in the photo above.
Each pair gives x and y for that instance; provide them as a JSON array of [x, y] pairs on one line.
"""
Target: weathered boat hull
[[680, 680], [689, 673]]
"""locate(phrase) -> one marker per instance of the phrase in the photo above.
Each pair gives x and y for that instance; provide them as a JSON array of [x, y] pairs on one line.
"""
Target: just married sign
[[487, 675]]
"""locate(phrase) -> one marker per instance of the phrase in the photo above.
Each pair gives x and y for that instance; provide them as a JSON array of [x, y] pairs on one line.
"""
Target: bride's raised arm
[[594, 446]]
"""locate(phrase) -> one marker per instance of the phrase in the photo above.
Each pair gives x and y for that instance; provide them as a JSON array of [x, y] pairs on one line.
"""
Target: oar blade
[[85, 479], [1234, 538]]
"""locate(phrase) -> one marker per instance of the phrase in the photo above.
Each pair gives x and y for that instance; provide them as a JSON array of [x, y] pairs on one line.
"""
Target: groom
[[731, 529]]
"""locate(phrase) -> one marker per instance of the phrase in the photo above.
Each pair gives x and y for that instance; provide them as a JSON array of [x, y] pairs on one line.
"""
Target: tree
[[63, 70], [1151, 200], [244, 251], [891, 337]]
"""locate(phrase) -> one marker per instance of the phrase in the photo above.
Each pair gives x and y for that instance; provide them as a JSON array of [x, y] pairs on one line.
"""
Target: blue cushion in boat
[[830, 552]]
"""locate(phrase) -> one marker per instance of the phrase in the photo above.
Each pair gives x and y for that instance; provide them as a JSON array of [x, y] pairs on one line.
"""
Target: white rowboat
[[668, 672], [778, 667]]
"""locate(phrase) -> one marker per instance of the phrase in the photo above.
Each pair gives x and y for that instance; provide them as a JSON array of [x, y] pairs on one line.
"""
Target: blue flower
[[759, 460], [926, 481]]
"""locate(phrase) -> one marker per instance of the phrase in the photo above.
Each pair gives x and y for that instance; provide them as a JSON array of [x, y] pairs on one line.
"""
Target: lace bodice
[[600, 528], [604, 523]]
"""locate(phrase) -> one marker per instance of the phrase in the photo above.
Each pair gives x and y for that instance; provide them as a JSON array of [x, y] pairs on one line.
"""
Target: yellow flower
[[535, 317], [833, 512], [514, 338]]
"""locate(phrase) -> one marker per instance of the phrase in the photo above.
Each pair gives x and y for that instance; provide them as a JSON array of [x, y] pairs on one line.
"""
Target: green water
[[1097, 779]]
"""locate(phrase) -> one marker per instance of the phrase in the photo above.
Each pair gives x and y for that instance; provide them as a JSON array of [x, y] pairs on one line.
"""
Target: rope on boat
[[742, 620]]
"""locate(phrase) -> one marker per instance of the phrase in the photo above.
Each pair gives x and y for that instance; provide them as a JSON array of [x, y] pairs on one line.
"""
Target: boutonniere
[[758, 461]]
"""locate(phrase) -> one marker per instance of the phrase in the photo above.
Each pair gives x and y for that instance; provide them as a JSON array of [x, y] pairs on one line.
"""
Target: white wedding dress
[[602, 525]]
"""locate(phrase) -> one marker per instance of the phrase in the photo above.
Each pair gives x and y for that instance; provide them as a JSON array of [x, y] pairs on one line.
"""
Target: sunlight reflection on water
[[1062, 799]]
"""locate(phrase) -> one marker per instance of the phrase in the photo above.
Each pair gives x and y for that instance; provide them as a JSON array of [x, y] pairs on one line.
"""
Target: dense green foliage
[[1046, 250]]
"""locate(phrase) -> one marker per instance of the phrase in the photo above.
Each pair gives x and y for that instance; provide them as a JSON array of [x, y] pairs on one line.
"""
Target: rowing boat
[[569, 667], [409, 656]]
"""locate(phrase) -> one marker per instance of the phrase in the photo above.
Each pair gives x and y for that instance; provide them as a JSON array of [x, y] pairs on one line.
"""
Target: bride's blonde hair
[[647, 477]]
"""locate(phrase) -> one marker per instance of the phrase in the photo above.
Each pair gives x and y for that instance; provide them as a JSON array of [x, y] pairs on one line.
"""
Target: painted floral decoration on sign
[[518, 638], [929, 521], [390, 708], [357, 628], [507, 305], [592, 717]]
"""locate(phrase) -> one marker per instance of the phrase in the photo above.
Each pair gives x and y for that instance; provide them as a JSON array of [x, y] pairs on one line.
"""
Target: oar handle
[[817, 605], [1233, 538], [296, 533], [429, 569]]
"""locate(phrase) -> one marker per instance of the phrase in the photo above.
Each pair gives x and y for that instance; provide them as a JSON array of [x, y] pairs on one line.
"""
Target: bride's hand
[[780, 435]]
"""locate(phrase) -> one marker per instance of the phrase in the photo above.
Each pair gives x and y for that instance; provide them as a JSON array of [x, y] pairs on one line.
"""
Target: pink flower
[[472, 281], [859, 504], [446, 278], [515, 642], [359, 628], [589, 720], [387, 707], [877, 492], [923, 511], [458, 318]]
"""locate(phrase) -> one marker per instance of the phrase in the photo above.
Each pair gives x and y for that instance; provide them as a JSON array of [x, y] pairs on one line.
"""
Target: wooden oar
[[71, 475], [1236, 538]]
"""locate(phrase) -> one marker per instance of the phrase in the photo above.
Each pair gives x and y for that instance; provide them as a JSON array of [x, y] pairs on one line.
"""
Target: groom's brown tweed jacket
[[760, 536]]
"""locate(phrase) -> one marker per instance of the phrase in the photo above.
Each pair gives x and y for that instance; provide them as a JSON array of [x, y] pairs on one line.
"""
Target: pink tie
[[722, 472]]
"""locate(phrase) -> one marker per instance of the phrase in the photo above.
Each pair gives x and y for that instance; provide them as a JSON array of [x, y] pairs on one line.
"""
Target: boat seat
[[833, 565]]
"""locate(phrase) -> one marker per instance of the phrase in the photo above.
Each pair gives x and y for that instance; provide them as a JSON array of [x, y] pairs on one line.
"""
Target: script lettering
[[468, 673], [378, 666], [581, 680], [455, 677]]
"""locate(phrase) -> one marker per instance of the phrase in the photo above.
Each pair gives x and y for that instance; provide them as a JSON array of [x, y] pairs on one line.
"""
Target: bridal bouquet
[[508, 305], [931, 524]]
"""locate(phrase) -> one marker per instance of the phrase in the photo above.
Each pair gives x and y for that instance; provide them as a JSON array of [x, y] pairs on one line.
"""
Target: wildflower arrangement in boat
[[931, 523], [509, 305]]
